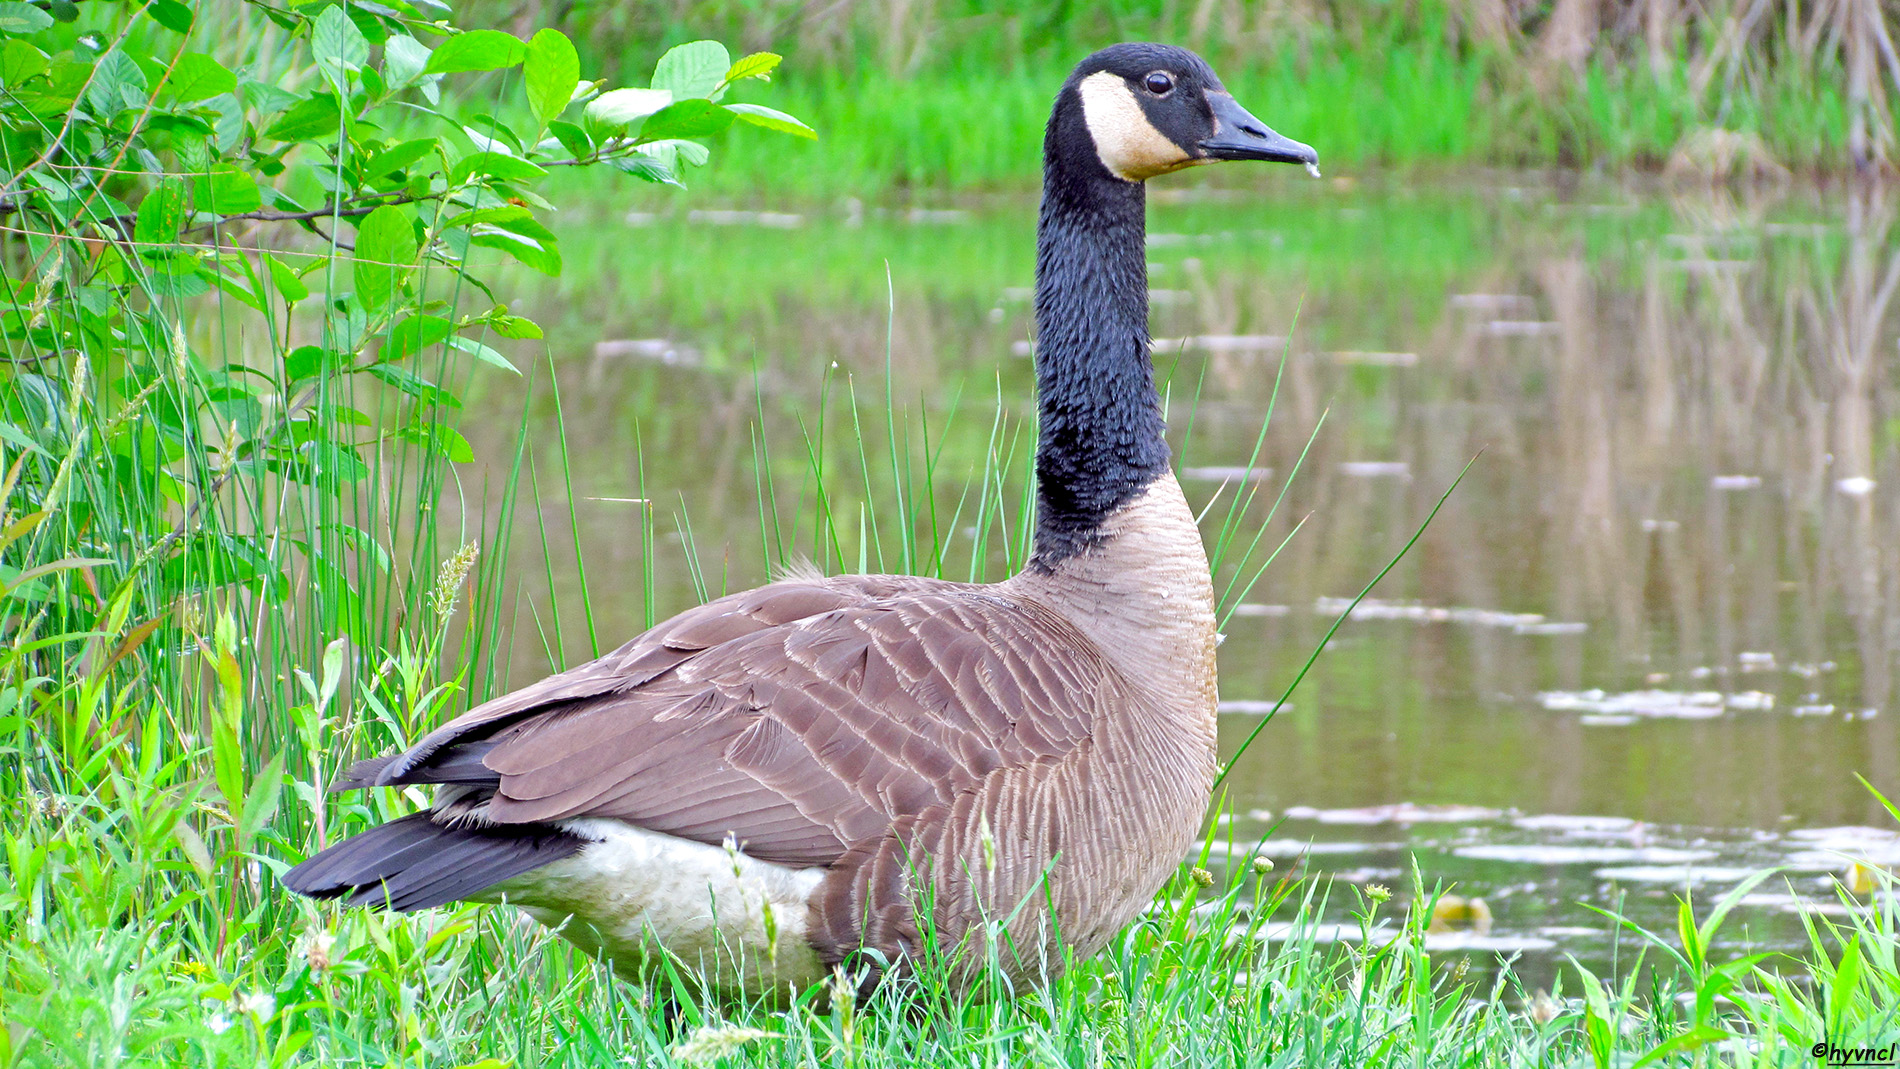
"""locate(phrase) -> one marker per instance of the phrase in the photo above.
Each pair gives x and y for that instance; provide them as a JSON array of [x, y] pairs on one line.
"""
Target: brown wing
[[799, 718]]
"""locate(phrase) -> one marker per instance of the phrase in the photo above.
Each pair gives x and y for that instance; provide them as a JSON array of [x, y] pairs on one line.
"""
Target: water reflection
[[1685, 511]]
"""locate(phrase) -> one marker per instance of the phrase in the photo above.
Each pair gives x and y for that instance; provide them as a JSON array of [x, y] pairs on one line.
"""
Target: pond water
[[1646, 645]]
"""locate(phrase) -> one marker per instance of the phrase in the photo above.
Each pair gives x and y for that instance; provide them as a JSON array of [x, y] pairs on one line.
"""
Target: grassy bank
[[952, 95]]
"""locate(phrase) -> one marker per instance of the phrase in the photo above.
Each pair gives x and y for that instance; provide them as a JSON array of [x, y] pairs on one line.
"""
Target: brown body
[[1054, 730]]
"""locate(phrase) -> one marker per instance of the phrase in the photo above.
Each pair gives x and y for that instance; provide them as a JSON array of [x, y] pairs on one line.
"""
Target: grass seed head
[[712, 1042]]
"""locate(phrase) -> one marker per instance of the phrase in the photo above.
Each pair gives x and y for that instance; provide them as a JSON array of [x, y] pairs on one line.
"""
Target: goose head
[[1141, 110]]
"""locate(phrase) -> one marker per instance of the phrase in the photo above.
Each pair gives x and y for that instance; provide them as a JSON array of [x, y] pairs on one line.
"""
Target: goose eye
[[1159, 84]]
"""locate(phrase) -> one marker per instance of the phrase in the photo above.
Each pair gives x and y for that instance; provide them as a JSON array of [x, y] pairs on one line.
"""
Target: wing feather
[[799, 718]]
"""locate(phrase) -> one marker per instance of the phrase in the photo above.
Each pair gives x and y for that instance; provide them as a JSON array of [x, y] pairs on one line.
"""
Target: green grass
[[1409, 109], [956, 98]]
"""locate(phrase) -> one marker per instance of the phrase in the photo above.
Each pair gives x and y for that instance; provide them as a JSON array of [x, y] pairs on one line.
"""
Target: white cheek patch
[[1128, 144]]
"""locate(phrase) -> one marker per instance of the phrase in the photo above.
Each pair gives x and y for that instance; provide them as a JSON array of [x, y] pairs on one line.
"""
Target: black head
[[1149, 109]]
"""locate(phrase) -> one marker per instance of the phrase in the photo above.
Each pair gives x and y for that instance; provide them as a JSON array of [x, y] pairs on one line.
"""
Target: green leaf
[[161, 215], [760, 115], [415, 334], [404, 60], [226, 191], [1694, 1039], [240, 290], [442, 438], [694, 69], [117, 83], [307, 362], [316, 117], [495, 165], [18, 437], [756, 65], [385, 250], [20, 61], [267, 789], [414, 385], [476, 50], [516, 327], [686, 118], [572, 138], [646, 167], [500, 213], [340, 48], [674, 150], [483, 353], [614, 112], [398, 157], [289, 286], [551, 72], [526, 240], [199, 77], [171, 14], [22, 18]]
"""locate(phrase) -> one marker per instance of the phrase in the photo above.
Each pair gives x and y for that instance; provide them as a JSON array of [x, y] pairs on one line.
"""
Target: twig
[[360, 206]]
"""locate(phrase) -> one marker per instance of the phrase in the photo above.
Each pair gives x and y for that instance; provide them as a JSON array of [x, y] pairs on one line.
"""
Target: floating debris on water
[[724, 217], [1454, 913], [1831, 849], [1226, 473], [1756, 662], [937, 215], [1523, 623], [1569, 931], [660, 350], [1678, 875], [1218, 343], [1563, 854], [1363, 358], [1397, 813], [1551, 627], [1283, 848], [1251, 706], [1376, 469], [1654, 704], [1493, 302], [1813, 710], [1521, 328], [1621, 827]]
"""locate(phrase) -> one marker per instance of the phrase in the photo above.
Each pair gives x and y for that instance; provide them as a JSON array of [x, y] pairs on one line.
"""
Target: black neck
[[1102, 434]]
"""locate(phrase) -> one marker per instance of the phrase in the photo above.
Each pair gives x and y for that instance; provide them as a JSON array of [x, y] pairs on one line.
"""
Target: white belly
[[738, 920]]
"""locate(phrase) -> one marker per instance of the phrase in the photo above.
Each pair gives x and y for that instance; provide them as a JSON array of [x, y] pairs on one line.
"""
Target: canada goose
[[774, 783]]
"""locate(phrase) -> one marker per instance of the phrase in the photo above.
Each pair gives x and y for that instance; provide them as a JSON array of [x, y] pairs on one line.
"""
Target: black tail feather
[[459, 763], [414, 863]]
